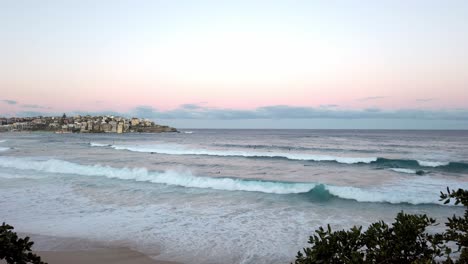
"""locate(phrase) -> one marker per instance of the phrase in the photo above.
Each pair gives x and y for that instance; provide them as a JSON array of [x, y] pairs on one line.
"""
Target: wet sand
[[99, 256], [69, 250]]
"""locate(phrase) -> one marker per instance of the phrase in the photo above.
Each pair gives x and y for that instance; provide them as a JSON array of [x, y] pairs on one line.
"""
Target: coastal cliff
[[82, 124]]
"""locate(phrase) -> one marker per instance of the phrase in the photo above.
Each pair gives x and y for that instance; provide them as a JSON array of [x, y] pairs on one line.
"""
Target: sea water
[[224, 196]]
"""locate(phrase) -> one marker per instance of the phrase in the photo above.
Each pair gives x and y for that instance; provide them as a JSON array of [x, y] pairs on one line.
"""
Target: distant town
[[82, 124]]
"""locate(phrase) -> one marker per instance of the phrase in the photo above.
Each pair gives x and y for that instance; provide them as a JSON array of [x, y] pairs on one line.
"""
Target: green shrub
[[16, 250], [405, 241]]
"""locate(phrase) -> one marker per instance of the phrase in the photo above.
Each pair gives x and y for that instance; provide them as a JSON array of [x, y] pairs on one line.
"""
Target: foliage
[[457, 227], [14, 249], [405, 241]]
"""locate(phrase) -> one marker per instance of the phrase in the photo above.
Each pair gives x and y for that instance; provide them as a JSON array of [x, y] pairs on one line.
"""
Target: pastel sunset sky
[[239, 64]]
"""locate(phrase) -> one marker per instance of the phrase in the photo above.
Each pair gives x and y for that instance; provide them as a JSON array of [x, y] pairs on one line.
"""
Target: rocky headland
[[82, 124]]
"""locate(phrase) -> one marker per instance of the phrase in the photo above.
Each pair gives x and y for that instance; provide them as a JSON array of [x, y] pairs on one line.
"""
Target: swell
[[421, 164], [417, 165], [289, 148], [177, 150], [390, 194]]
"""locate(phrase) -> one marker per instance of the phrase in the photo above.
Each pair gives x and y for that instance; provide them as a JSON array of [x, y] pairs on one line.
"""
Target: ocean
[[224, 196]]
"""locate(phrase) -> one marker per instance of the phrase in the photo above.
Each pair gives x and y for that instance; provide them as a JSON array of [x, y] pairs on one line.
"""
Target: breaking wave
[[420, 192], [3, 149], [289, 148], [416, 165], [177, 150], [99, 145], [403, 170]]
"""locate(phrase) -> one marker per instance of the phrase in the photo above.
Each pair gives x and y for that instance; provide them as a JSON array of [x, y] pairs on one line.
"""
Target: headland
[[82, 124]]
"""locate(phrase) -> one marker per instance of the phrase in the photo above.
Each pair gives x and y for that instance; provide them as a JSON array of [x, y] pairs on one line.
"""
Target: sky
[[239, 64]]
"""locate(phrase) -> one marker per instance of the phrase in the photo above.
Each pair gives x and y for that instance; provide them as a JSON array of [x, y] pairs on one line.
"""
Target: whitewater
[[242, 196]]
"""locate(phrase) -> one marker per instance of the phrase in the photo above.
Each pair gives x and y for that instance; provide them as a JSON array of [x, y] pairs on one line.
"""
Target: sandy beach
[[68, 250], [99, 256]]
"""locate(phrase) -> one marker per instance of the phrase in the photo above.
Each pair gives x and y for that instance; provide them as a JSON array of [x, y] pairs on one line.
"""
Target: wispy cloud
[[34, 106], [198, 112], [10, 102], [371, 98], [424, 100], [295, 112], [329, 106], [190, 106]]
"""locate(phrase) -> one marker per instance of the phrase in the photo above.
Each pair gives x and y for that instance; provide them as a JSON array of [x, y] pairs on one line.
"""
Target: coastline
[[70, 250], [99, 256]]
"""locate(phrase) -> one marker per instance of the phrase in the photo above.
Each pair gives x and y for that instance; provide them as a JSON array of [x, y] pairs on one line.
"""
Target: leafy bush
[[16, 250], [405, 241]]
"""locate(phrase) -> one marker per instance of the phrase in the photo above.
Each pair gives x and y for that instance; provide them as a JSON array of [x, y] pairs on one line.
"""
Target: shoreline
[[70, 250], [99, 256]]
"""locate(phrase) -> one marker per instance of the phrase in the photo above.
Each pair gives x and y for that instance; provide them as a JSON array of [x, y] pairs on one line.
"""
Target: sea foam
[[420, 192], [180, 150], [403, 170], [425, 163]]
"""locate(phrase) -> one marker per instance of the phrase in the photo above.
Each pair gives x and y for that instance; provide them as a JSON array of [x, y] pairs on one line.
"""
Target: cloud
[[371, 98], [190, 106], [424, 100], [275, 112], [296, 112], [10, 102], [33, 106], [34, 113], [329, 106]]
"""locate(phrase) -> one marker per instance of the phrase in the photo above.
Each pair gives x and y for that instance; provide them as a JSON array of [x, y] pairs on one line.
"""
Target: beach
[[98, 256], [60, 250], [218, 196]]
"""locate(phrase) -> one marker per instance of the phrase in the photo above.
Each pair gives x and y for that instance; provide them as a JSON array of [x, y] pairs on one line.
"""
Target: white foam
[[93, 144], [403, 170], [413, 191], [3, 149], [184, 179], [180, 150], [3, 140], [425, 163]]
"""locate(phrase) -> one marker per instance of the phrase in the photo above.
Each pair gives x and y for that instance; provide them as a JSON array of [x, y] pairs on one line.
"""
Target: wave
[[289, 148], [3, 140], [403, 170], [421, 192], [3, 149], [99, 145], [178, 150], [417, 165], [424, 163], [408, 171], [184, 179]]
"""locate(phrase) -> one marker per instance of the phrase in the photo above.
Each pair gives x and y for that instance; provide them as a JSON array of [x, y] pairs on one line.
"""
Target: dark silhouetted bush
[[16, 250], [405, 241]]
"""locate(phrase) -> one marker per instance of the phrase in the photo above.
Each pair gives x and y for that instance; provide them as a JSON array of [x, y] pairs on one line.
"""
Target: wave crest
[[178, 150], [416, 165], [422, 191]]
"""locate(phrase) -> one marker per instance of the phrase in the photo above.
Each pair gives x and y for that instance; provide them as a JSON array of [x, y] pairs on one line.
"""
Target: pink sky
[[236, 56]]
